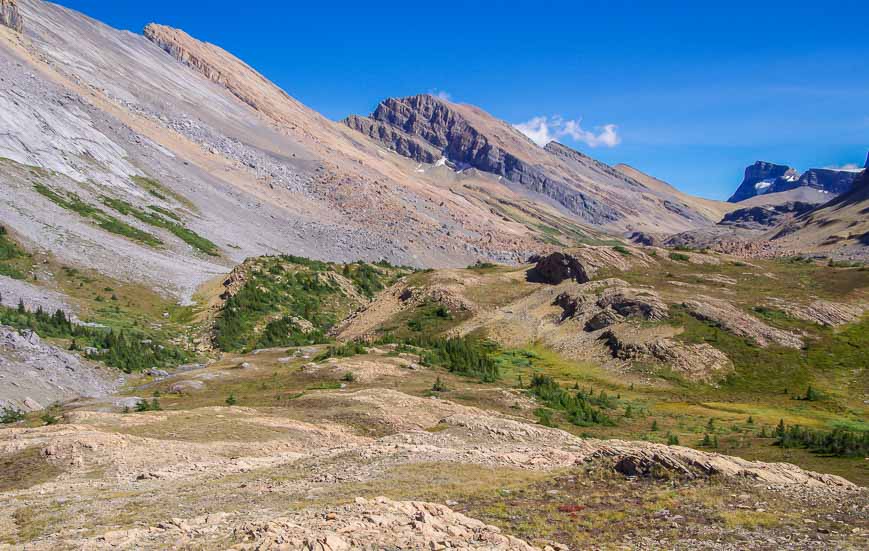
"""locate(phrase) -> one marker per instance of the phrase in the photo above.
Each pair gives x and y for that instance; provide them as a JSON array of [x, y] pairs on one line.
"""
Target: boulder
[[156, 373], [557, 267], [603, 319], [31, 405]]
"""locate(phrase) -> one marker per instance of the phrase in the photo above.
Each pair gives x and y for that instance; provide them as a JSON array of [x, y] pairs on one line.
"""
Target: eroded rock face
[[603, 319], [634, 303], [10, 16], [558, 267], [735, 321], [826, 179], [612, 304], [34, 374], [428, 129], [763, 177], [645, 239], [760, 178], [823, 312], [695, 362]]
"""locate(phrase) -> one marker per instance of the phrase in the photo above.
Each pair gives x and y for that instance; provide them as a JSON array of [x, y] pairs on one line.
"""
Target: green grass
[[429, 318], [158, 190], [13, 259], [165, 212], [181, 232], [126, 350], [73, 202], [294, 301], [826, 355]]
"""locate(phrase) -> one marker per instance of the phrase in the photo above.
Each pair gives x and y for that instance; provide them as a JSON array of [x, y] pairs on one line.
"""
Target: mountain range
[[108, 115], [229, 322], [817, 185]]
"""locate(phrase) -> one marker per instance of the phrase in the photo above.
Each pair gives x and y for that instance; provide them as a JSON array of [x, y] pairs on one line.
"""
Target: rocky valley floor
[[303, 462]]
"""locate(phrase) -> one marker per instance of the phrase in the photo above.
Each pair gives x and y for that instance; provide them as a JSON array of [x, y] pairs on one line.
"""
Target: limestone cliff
[[10, 16]]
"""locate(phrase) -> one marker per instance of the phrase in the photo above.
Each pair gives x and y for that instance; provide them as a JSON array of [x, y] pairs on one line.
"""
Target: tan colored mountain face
[[840, 226], [248, 167], [713, 210]]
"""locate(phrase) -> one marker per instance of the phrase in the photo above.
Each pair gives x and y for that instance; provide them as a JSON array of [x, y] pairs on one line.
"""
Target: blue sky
[[694, 91]]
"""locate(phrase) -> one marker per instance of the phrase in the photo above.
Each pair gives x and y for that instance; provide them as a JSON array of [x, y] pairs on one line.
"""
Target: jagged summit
[[761, 177], [764, 178], [431, 130]]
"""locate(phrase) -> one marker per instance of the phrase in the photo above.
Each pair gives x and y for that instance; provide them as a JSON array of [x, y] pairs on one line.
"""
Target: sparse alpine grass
[[74, 203], [172, 225]]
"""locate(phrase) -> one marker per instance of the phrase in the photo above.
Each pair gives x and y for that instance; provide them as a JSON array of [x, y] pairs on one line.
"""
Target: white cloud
[[537, 129], [543, 130], [441, 94], [850, 167]]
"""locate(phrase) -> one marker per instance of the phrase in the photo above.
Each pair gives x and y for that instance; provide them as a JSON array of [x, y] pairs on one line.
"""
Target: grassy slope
[[281, 290], [763, 387], [123, 307]]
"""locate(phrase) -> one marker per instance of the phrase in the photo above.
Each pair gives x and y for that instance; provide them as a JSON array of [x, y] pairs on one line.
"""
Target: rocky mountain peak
[[428, 129], [10, 16], [760, 178], [764, 178]]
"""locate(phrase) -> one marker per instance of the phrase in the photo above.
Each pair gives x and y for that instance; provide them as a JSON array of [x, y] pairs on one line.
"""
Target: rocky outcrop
[[760, 178], [379, 523], [634, 303], [765, 216], [735, 321], [402, 143], [433, 125], [608, 302], [822, 312], [602, 319], [34, 374], [826, 179], [10, 16], [226, 70], [644, 239], [557, 267], [694, 362]]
